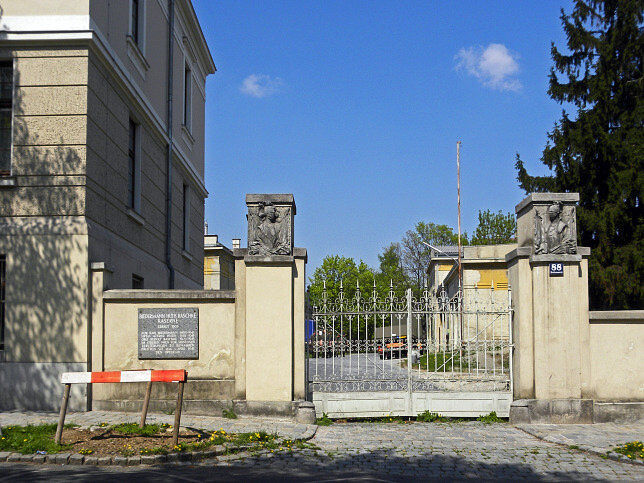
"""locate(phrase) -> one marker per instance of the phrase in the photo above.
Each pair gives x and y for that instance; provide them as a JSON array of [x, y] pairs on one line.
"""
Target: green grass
[[29, 439], [633, 450], [441, 361], [429, 417], [490, 418], [229, 414], [133, 428], [325, 420]]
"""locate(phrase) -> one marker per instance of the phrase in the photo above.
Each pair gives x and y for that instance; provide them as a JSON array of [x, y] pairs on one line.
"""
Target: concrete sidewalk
[[599, 438], [285, 428]]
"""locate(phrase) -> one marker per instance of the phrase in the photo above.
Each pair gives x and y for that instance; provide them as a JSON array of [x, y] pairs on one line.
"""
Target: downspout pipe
[[168, 198]]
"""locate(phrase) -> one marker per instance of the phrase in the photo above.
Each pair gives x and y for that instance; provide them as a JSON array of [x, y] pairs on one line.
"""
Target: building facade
[[218, 264], [101, 165]]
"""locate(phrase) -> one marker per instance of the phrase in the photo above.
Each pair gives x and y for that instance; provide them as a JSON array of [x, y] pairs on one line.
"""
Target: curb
[[586, 449], [79, 459]]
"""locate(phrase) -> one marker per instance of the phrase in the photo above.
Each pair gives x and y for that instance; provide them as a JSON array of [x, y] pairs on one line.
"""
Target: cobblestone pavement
[[376, 451], [283, 427], [599, 438]]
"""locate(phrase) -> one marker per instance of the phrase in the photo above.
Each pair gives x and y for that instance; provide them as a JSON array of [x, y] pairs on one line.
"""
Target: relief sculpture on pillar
[[269, 231], [555, 231]]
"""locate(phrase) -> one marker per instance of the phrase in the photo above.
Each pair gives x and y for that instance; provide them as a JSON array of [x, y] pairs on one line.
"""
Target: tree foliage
[[416, 255], [495, 228], [336, 271], [599, 151]]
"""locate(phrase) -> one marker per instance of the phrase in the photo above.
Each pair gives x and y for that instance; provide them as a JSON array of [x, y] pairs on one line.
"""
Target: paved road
[[383, 452], [355, 366]]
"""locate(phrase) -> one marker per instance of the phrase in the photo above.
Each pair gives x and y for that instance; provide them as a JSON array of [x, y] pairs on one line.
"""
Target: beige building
[[485, 282], [484, 269], [218, 264], [101, 165]]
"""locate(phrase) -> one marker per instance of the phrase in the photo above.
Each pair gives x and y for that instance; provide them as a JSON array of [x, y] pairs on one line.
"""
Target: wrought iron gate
[[374, 356]]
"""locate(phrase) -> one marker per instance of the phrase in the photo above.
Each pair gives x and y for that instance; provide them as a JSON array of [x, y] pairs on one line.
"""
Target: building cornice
[[192, 23]]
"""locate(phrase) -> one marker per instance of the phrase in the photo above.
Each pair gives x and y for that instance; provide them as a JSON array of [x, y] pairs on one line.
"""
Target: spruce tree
[[599, 152]]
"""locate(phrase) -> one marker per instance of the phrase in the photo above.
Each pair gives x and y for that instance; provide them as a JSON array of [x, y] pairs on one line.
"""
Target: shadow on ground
[[374, 466]]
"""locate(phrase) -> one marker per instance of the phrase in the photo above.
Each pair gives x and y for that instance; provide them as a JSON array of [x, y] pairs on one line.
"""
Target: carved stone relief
[[269, 229], [555, 229]]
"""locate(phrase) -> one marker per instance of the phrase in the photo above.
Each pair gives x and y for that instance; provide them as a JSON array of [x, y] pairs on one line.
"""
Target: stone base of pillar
[[574, 411]]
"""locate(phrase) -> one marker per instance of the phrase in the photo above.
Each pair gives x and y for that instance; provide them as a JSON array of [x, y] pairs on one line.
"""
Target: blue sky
[[355, 107]]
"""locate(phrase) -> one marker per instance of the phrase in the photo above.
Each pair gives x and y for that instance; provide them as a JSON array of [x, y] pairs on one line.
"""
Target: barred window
[[6, 116]]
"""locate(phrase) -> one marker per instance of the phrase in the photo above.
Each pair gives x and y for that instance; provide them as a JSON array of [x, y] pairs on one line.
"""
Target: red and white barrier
[[69, 378], [123, 376]]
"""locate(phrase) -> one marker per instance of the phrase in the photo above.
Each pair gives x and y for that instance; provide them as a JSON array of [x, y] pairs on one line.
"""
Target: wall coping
[[616, 316], [164, 295], [298, 252], [526, 252], [546, 198]]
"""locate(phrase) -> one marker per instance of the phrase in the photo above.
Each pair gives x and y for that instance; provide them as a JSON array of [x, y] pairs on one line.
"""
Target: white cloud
[[260, 85], [494, 65]]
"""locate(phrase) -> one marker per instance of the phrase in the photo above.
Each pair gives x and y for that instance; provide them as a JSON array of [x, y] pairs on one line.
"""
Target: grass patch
[[573, 446], [633, 450], [133, 428], [29, 439], [325, 420], [442, 362], [490, 418], [229, 414], [429, 417]]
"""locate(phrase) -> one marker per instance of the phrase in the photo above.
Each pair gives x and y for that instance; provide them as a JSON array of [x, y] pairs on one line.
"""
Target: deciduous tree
[[495, 228]]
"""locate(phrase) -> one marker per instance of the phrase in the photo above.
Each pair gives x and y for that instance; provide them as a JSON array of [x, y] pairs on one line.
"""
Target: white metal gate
[[399, 356]]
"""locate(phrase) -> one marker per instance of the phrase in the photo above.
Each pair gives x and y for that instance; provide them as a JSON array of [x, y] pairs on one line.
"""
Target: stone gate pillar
[[548, 274], [269, 280]]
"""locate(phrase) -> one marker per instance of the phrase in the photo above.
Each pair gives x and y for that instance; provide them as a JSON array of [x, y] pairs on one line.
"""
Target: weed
[[127, 450], [573, 446], [86, 451], [490, 418], [324, 420], [429, 417], [229, 414], [633, 450]]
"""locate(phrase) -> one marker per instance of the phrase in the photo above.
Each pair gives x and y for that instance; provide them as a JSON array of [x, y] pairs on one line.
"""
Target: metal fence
[[427, 343]]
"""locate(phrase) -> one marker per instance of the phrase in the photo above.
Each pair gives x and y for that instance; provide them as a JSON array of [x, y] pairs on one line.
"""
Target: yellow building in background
[[218, 264]]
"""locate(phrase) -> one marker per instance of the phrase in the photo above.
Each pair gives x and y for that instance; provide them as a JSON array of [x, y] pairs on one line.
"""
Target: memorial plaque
[[169, 333]]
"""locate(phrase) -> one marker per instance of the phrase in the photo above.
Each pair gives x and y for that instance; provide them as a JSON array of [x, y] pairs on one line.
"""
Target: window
[[137, 281], [3, 265], [135, 25], [187, 98], [134, 167], [186, 217], [6, 108]]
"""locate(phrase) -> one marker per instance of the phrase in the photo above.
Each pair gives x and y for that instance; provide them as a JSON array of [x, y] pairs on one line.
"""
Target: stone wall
[[616, 355], [211, 375]]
